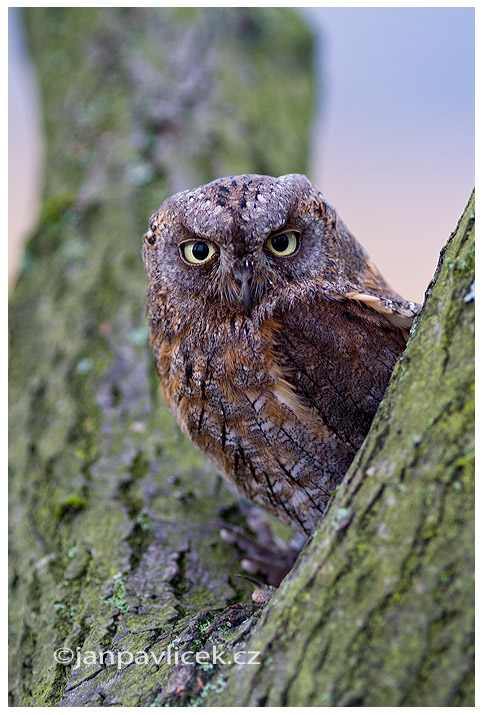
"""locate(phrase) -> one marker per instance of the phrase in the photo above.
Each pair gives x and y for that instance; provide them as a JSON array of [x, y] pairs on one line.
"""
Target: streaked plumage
[[273, 334]]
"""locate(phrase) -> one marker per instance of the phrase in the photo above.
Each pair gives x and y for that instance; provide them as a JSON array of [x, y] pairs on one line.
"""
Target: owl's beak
[[243, 275]]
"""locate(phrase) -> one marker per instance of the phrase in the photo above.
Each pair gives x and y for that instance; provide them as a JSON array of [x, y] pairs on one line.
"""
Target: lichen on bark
[[379, 608], [114, 517]]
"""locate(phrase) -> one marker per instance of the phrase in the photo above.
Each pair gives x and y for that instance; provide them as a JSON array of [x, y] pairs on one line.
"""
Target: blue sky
[[393, 141]]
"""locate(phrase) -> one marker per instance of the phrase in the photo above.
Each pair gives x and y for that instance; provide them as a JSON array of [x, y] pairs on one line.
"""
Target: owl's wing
[[379, 296], [338, 356]]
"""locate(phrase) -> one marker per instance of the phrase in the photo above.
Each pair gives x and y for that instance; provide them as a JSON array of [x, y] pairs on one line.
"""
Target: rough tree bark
[[379, 609], [114, 517]]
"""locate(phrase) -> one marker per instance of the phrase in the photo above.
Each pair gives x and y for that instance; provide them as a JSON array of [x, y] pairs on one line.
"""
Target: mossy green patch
[[101, 480]]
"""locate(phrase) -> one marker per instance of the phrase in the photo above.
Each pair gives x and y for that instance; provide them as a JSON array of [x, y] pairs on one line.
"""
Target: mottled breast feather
[[274, 336]]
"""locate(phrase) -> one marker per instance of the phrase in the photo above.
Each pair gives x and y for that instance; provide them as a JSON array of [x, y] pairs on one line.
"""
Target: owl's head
[[238, 243]]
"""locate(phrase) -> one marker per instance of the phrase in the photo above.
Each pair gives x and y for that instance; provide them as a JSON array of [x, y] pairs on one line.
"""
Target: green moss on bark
[[114, 516], [379, 610]]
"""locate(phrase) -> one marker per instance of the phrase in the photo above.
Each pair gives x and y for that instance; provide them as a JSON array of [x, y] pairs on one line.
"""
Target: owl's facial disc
[[254, 272], [240, 274]]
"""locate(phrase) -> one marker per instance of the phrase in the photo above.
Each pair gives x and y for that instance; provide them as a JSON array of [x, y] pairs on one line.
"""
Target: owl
[[273, 333]]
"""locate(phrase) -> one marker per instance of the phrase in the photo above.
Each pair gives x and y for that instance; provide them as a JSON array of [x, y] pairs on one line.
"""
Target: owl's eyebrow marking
[[287, 226]]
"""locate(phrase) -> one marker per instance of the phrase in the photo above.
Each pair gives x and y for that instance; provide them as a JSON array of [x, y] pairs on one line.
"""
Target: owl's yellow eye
[[284, 244], [197, 251]]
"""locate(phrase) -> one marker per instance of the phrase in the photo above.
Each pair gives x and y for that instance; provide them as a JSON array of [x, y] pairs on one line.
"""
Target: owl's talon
[[264, 555], [261, 592]]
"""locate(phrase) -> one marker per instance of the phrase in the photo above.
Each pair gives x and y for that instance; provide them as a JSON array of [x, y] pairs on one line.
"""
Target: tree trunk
[[379, 609], [114, 516]]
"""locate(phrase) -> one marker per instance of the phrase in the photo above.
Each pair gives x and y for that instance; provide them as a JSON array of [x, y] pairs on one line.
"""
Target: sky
[[393, 139], [25, 147]]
